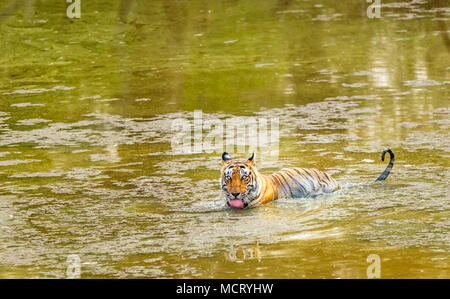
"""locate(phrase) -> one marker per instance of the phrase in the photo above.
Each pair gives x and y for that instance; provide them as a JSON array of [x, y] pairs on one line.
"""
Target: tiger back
[[302, 182]]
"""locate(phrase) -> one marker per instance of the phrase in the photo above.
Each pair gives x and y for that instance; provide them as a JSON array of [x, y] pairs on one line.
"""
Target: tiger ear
[[225, 158], [251, 160]]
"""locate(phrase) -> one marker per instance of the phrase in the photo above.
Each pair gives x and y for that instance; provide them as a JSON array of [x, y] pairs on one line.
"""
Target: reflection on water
[[86, 114], [241, 254]]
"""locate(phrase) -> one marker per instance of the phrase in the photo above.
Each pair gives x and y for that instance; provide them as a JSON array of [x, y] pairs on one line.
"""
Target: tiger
[[244, 187]]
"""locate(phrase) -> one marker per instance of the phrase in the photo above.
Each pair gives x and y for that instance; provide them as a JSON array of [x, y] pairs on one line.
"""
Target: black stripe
[[309, 180], [301, 187], [280, 183], [287, 184], [328, 178]]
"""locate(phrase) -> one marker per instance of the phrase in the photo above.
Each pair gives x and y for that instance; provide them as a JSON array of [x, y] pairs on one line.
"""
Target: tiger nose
[[235, 194]]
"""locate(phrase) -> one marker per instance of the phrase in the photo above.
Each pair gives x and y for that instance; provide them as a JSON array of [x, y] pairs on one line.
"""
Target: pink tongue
[[236, 203]]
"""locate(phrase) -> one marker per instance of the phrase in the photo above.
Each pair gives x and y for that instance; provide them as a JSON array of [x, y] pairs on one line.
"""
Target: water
[[86, 165]]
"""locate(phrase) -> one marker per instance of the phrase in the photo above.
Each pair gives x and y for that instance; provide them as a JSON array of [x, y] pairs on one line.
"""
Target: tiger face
[[239, 181]]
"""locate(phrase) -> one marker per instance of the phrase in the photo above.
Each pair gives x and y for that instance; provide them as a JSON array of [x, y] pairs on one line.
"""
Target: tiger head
[[239, 181]]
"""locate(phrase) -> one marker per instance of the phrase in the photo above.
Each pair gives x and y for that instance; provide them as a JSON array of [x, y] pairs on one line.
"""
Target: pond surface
[[87, 165]]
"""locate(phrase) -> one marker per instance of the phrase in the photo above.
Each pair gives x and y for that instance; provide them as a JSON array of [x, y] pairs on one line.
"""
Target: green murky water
[[86, 160]]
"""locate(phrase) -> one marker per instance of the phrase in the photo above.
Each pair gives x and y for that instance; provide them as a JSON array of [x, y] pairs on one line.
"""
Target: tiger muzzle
[[236, 200]]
